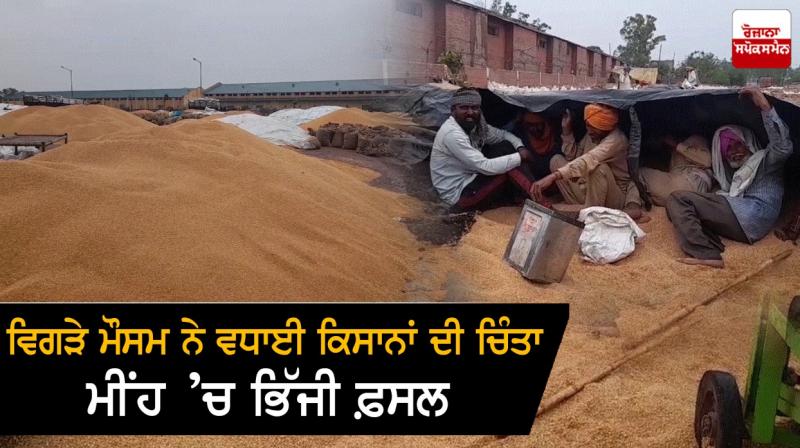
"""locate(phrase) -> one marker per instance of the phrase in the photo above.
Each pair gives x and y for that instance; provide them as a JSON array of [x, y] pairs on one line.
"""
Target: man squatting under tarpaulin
[[689, 169], [594, 171], [465, 173], [751, 189]]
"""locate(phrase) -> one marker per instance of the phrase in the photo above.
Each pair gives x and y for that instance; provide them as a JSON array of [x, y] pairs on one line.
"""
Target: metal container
[[543, 243]]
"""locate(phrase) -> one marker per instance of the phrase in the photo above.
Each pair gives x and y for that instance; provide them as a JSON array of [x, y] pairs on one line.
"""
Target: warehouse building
[[150, 99], [277, 95], [493, 47]]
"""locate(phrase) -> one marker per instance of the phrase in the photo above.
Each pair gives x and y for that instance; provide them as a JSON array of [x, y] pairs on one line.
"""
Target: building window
[[493, 31], [542, 43], [409, 7]]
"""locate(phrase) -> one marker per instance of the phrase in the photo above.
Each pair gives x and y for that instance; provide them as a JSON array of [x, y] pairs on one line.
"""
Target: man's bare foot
[[697, 261], [636, 214]]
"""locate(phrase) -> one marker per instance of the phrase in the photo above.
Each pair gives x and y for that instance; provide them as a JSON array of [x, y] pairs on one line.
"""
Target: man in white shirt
[[462, 174]]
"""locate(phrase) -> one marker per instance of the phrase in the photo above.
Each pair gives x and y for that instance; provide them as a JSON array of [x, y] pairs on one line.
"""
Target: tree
[[539, 25], [640, 40], [8, 92], [707, 66], [509, 9]]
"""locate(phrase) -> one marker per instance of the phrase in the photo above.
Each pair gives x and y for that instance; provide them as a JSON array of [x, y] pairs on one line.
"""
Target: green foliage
[[540, 25], [638, 32], [8, 92], [666, 71], [453, 60], [508, 9], [712, 70]]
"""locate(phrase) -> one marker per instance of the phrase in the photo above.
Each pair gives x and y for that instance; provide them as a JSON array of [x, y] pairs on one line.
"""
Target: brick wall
[[542, 48], [414, 37], [598, 60], [465, 33], [496, 43], [525, 49], [512, 48], [583, 68], [559, 60]]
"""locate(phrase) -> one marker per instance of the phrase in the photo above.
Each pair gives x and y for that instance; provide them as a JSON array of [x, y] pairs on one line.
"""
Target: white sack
[[609, 235]]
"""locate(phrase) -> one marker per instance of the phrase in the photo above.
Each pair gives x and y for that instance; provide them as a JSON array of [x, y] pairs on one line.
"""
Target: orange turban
[[601, 117]]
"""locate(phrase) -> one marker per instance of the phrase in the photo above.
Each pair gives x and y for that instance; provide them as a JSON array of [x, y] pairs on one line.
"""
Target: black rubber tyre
[[718, 420], [794, 311]]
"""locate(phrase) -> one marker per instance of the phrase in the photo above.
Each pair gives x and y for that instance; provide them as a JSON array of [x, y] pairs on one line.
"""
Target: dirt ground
[[647, 402]]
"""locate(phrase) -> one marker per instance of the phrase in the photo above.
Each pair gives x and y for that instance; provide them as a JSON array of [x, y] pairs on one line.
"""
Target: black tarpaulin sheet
[[660, 111]]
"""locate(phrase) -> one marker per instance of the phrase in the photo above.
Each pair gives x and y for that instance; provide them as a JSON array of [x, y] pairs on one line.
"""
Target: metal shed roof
[[356, 85]]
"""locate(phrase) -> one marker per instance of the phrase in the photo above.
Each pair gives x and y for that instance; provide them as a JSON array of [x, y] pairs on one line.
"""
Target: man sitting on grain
[[465, 175], [594, 171], [751, 189]]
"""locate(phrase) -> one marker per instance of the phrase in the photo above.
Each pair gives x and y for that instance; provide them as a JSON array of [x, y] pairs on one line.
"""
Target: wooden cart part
[[41, 141]]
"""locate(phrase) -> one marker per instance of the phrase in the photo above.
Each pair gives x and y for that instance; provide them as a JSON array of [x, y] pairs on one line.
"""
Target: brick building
[[493, 47]]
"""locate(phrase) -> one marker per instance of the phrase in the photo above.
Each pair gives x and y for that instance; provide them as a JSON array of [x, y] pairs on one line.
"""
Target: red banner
[[761, 53]]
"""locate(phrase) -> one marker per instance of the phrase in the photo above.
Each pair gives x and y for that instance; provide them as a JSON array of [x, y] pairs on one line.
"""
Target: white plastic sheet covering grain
[[6, 108], [274, 130], [23, 152], [609, 235], [300, 116]]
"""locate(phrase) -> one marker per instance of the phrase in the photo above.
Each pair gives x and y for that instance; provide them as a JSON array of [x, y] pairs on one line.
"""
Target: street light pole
[[201, 70], [71, 92]]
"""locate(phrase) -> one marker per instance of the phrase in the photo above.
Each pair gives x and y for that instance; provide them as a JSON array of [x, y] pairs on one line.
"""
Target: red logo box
[[762, 38]]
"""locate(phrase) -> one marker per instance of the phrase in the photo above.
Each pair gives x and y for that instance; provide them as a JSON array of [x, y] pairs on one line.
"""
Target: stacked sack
[[367, 140]]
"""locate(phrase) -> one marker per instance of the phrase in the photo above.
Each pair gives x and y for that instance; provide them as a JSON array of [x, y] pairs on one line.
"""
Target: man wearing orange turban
[[594, 171]]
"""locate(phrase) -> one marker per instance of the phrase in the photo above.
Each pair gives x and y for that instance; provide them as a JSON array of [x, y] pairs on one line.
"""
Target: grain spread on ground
[[219, 201], [193, 211]]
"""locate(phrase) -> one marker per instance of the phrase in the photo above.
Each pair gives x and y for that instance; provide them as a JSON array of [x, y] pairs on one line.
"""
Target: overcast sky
[[130, 44], [687, 25]]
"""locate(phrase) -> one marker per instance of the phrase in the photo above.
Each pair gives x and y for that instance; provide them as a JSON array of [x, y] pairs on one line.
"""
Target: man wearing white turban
[[751, 189]]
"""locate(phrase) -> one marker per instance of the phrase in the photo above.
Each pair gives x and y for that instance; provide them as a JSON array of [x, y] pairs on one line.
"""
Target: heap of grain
[[193, 211], [83, 123], [358, 116]]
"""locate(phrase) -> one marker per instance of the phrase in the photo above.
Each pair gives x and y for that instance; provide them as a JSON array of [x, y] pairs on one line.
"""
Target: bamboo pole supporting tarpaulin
[[655, 336]]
